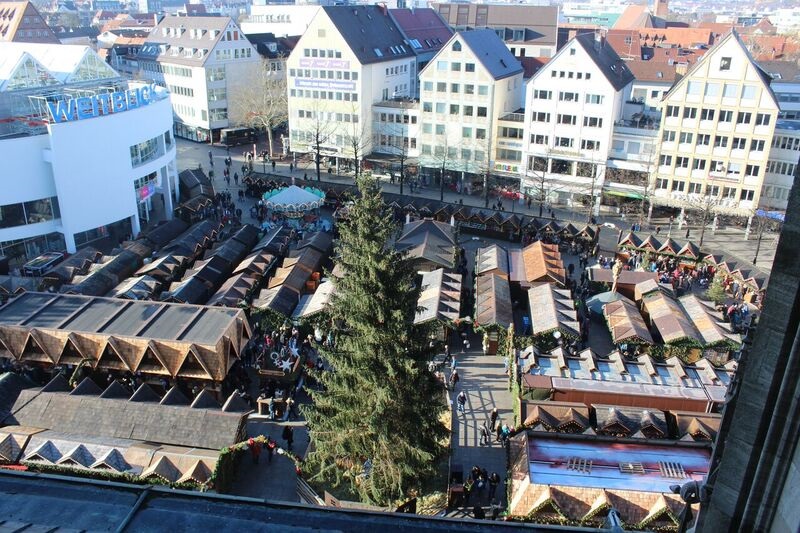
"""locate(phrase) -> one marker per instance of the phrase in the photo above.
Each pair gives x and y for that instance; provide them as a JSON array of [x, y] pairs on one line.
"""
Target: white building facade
[[347, 60], [715, 135], [85, 152], [466, 89], [208, 66], [571, 106]]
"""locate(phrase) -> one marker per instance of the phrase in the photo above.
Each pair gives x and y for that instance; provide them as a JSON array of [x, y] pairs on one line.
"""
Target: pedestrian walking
[[447, 354], [461, 400], [453, 364], [498, 433], [291, 167], [493, 418], [454, 379], [273, 165], [228, 180], [288, 436], [210, 156], [236, 179], [485, 435], [289, 406]]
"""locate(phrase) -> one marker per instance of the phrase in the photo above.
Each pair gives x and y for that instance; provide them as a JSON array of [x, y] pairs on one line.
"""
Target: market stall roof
[[708, 321], [311, 304], [493, 301], [652, 243], [294, 199], [77, 263], [191, 290], [542, 262], [280, 299], [492, 259], [738, 269], [275, 241], [429, 240], [320, 241], [194, 240], [552, 309], [626, 323], [104, 276], [158, 338], [257, 263], [138, 288], [164, 268], [233, 291], [439, 297], [165, 232], [668, 319]]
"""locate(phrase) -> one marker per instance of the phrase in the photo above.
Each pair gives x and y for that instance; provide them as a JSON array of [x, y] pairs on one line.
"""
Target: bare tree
[[760, 223], [263, 104], [706, 205], [356, 140], [398, 146]]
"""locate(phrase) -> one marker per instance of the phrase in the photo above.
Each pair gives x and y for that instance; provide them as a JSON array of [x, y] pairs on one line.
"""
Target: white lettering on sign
[[70, 109]]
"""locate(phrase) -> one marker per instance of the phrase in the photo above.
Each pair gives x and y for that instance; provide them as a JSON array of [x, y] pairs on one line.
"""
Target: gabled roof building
[[207, 64], [21, 22]]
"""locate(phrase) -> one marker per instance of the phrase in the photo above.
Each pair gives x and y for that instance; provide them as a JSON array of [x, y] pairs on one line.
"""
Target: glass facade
[[21, 250], [145, 151], [42, 210]]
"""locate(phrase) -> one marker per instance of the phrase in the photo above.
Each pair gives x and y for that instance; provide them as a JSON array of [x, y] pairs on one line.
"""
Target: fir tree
[[380, 406]]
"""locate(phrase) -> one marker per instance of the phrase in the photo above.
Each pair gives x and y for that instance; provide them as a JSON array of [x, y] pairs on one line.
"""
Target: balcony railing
[[643, 124], [514, 117]]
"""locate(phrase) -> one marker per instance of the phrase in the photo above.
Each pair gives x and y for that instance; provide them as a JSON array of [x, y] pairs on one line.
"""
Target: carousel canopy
[[294, 199], [552, 309]]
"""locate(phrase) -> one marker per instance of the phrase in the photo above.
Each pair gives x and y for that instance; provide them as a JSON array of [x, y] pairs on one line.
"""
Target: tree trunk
[[269, 141], [441, 184], [402, 174], [317, 161], [758, 241], [486, 189], [703, 226]]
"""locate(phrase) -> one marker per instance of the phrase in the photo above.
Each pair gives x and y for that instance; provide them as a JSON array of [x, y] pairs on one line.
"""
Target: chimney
[[661, 8]]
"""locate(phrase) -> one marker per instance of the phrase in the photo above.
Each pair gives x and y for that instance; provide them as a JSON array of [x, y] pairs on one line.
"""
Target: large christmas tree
[[376, 422]]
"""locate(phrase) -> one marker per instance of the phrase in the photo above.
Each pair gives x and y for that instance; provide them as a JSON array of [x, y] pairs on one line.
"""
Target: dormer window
[[725, 63], [457, 46]]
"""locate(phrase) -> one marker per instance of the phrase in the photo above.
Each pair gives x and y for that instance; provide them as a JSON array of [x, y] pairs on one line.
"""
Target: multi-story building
[[426, 32], [784, 156], [21, 22], [467, 87], [786, 85], [571, 106], [528, 30], [208, 65], [716, 129], [280, 20], [349, 58], [84, 151]]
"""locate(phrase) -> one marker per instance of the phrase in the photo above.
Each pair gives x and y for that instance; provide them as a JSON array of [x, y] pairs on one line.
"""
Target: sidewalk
[[483, 379]]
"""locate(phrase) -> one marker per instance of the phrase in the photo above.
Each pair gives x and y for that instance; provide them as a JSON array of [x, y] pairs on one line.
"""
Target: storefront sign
[[146, 191], [71, 109], [325, 63], [329, 85], [506, 168]]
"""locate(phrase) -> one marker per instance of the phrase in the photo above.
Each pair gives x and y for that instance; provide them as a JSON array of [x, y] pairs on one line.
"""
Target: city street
[[728, 240]]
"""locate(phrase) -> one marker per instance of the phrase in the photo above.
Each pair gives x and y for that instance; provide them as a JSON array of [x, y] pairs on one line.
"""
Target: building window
[[726, 116], [455, 66], [685, 137], [699, 164], [567, 96], [720, 141], [707, 114], [482, 111], [712, 89], [694, 88], [427, 107], [681, 162], [690, 112], [756, 145], [441, 87], [744, 117], [752, 170], [593, 122], [144, 151], [665, 160], [747, 195], [566, 119], [466, 133], [594, 99], [678, 186], [440, 107], [439, 129], [725, 63], [668, 136], [540, 117], [673, 111], [469, 88], [456, 46], [748, 92], [738, 143], [454, 108], [480, 133], [441, 65], [454, 88], [587, 144], [762, 119], [695, 188], [564, 142], [662, 183], [703, 139], [483, 90], [730, 90], [539, 139], [542, 95], [469, 67]]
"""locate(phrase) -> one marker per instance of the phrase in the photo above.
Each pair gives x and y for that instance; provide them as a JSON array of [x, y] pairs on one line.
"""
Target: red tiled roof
[[652, 70], [625, 43], [424, 25], [683, 37], [531, 65]]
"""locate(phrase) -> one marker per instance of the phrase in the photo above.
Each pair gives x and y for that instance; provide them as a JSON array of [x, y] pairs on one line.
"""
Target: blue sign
[[71, 109]]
